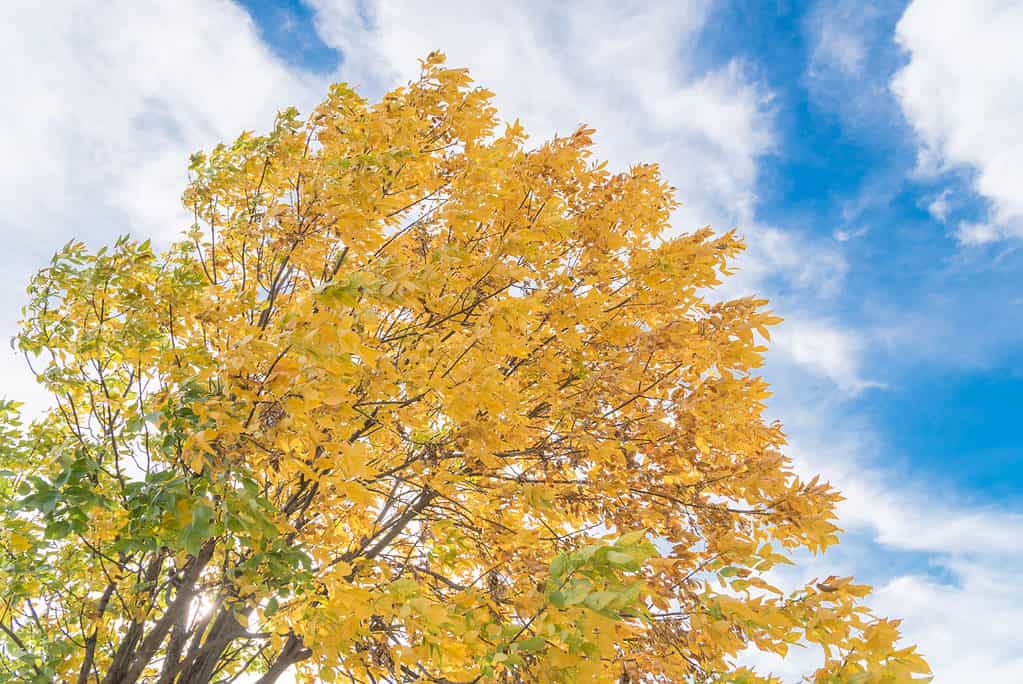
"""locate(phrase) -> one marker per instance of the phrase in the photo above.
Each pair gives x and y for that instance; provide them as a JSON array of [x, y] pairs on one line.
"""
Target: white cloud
[[838, 39], [962, 91], [904, 516], [805, 263], [939, 206], [848, 63], [844, 234], [830, 350], [105, 102], [970, 233], [971, 629]]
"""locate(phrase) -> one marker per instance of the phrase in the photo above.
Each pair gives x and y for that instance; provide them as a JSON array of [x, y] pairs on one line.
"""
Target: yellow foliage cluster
[[387, 408]]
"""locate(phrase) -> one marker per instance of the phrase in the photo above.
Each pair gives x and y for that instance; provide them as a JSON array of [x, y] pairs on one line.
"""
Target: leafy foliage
[[411, 402]]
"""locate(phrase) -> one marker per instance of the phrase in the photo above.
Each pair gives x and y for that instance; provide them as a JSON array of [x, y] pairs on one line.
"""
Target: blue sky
[[868, 151]]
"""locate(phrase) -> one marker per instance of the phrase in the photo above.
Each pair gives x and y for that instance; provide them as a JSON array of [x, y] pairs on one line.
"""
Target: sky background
[[871, 153]]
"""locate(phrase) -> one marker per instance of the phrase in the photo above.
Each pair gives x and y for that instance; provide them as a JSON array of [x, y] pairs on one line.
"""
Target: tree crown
[[411, 402]]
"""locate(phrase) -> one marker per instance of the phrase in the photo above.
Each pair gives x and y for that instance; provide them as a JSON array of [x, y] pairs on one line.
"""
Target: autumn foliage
[[413, 401]]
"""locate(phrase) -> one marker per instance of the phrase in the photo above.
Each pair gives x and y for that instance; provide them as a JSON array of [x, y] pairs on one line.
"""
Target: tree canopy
[[411, 401]]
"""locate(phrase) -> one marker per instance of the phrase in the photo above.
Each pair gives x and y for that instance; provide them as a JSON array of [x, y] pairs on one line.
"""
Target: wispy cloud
[[838, 39], [940, 206], [847, 44], [826, 349], [846, 234]]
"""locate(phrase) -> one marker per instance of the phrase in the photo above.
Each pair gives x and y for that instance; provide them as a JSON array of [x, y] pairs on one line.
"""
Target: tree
[[411, 402]]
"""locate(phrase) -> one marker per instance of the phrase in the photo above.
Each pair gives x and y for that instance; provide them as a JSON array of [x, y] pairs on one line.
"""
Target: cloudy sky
[[869, 151]]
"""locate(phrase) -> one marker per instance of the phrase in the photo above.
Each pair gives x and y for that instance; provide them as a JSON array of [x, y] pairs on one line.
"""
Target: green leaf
[[58, 529], [619, 559], [559, 565], [599, 600], [192, 537], [576, 592], [530, 645], [271, 607], [631, 538], [250, 487]]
